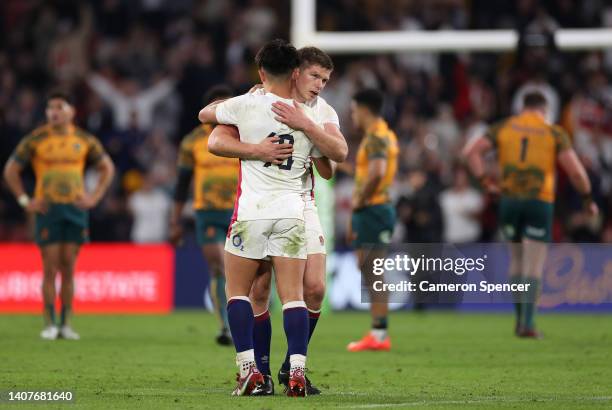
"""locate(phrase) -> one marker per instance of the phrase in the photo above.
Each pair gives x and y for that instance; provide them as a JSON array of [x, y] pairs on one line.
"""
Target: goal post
[[304, 32]]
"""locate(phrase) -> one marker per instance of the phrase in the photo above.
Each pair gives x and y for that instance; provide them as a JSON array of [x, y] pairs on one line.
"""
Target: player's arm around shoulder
[[229, 111], [340, 145], [208, 114], [331, 126], [224, 141], [327, 138]]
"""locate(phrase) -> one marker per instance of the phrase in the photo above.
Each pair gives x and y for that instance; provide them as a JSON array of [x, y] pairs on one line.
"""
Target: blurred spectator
[[132, 105], [420, 211], [259, 22], [150, 207], [198, 75], [461, 206], [67, 55]]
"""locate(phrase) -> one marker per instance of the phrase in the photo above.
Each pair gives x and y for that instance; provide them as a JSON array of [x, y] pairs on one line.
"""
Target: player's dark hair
[[277, 58], [60, 95], [534, 99], [217, 92], [315, 56], [371, 99]]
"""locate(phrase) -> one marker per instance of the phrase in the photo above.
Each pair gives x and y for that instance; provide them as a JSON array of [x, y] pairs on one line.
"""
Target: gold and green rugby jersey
[[215, 178], [527, 148], [59, 160], [379, 142]]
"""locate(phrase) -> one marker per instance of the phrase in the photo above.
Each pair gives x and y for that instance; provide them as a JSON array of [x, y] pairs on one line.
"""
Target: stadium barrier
[[128, 278], [109, 278]]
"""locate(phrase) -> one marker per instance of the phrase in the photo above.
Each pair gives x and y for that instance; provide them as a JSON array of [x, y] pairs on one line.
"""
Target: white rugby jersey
[[267, 191], [324, 114]]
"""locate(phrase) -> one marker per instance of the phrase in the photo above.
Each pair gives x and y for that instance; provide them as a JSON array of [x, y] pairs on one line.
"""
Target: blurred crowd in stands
[[138, 71]]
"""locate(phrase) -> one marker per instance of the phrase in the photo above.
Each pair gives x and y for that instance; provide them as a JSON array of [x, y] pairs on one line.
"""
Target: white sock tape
[[294, 304], [245, 298]]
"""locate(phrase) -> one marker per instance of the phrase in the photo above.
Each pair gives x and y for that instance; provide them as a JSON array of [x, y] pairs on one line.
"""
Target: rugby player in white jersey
[[268, 218], [314, 73]]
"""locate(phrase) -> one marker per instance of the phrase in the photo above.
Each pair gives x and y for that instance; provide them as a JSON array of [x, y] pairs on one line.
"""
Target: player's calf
[[240, 315], [295, 317]]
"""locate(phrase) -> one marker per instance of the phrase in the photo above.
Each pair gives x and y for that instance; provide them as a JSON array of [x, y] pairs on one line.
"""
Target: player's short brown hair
[[315, 56], [60, 94], [534, 99]]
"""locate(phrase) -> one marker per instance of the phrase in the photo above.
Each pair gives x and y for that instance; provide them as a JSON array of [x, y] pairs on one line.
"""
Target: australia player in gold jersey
[[215, 182], [528, 149], [373, 216], [59, 152]]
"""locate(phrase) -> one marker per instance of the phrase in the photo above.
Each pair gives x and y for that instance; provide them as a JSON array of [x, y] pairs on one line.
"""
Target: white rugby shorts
[[315, 240], [261, 238]]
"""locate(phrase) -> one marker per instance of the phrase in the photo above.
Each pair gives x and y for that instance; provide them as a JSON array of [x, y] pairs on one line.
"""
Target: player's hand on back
[[85, 201], [291, 115], [269, 150], [255, 88], [37, 205]]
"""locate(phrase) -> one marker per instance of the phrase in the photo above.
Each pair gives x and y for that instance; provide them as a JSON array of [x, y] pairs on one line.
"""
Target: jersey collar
[[378, 125], [69, 131]]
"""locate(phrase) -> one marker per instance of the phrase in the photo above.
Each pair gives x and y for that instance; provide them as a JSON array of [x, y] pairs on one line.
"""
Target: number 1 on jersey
[[282, 139], [524, 143]]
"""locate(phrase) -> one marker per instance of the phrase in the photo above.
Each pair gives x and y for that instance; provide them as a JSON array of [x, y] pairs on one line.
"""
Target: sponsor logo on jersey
[[385, 236], [535, 232]]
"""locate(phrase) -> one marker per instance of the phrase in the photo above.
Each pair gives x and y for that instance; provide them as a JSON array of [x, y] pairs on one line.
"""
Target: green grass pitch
[[438, 361]]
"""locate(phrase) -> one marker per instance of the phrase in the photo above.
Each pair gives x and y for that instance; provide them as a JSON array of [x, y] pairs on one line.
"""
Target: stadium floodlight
[[304, 32]]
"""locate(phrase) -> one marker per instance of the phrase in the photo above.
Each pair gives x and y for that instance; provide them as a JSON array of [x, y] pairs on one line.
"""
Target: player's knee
[[314, 292], [259, 295], [50, 270], [66, 265], [49, 277], [67, 278], [66, 269]]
